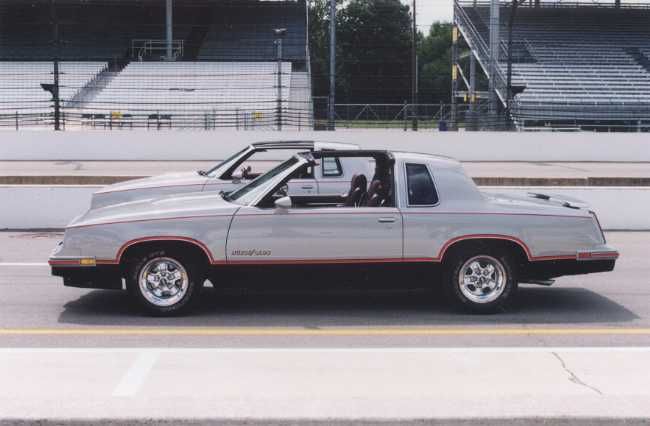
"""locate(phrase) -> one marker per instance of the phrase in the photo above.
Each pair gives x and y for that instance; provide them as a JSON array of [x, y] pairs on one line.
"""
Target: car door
[[315, 235]]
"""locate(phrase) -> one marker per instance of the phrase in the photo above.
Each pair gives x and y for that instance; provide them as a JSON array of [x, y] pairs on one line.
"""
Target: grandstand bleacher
[[20, 83], [574, 64], [113, 69], [220, 92]]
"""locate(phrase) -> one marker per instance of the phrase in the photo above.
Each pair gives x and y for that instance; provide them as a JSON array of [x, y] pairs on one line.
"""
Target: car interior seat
[[357, 193], [376, 196]]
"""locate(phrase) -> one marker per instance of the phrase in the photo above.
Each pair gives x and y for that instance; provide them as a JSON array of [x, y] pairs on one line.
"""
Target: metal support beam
[[454, 78], [279, 33], [472, 92], [57, 44], [495, 25], [169, 25], [332, 95]]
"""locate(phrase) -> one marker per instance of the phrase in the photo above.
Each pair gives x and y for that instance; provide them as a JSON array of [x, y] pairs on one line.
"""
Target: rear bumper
[[108, 277], [547, 269]]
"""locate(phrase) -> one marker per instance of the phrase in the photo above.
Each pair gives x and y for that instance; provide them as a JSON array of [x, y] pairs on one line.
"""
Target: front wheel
[[481, 280], [164, 283]]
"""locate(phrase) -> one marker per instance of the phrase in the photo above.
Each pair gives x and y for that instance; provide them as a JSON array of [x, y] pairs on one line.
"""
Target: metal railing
[[144, 48]]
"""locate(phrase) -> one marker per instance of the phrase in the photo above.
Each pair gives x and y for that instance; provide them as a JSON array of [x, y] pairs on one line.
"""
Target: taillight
[[602, 234]]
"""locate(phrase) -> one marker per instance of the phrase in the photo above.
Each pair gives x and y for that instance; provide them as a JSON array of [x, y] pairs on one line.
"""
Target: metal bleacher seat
[[184, 92], [20, 84], [584, 63]]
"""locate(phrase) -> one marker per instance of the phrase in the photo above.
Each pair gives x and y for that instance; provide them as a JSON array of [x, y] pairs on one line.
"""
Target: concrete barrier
[[36, 207], [209, 145]]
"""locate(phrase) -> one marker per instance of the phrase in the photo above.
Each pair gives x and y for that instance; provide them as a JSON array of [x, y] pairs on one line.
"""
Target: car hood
[[167, 207], [167, 179]]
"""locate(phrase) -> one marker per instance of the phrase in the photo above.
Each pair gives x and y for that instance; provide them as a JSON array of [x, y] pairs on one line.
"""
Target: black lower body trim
[[108, 277]]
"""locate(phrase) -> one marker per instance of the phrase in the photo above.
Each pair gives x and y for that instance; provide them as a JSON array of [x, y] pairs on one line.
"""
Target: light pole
[[332, 95], [511, 23], [414, 71], [168, 29], [279, 34]]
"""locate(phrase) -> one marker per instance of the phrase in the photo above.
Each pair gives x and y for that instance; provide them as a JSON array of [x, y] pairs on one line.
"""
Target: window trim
[[338, 163], [406, 185]]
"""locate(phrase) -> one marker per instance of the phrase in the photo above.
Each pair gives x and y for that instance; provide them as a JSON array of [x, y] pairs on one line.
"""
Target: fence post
[[16, 120], [406, 123], [57, 101]]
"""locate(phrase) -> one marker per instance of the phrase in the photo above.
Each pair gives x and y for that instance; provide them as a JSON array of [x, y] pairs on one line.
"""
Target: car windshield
[[248, 193], [227, 160]]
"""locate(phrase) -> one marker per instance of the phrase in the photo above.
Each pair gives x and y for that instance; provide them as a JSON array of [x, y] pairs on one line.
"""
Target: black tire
[[194, 278], [466, 299]]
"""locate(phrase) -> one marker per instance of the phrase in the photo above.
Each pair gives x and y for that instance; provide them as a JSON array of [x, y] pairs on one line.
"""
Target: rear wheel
[[164, 283], [481, 280]]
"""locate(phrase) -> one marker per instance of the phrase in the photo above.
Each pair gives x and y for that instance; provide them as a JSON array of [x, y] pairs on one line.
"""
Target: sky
[[430, 11]]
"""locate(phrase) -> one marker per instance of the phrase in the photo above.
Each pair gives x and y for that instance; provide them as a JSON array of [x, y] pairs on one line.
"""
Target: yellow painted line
[[285, 331]]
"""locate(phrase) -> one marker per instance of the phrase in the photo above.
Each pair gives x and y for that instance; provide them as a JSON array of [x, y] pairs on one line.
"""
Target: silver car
[[415, 212], [330, 177]]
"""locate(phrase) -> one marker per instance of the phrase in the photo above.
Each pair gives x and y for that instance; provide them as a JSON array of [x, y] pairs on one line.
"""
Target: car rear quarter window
[[331, 167], [421, 190]]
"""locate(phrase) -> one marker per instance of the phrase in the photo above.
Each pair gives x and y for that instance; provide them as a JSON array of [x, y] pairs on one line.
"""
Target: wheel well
[[521, 258], [189, 249]]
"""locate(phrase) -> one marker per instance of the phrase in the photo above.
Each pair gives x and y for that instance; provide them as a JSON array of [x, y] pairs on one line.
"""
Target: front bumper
[[108, 277]]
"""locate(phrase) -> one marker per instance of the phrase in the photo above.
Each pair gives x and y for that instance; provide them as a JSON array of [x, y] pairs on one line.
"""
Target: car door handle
[[386, 220], [307, 187]]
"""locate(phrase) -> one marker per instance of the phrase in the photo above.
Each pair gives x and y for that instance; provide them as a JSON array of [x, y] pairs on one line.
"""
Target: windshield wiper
[[224, 195]]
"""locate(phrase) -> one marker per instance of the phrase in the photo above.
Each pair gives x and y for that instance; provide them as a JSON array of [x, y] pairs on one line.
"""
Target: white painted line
[[167, 350], [136, 375], [24, 264]]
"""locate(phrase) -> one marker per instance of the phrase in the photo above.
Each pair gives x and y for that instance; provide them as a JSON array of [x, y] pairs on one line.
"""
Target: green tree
[[319, 45], [373, 53], [373, 50], [434, 53]]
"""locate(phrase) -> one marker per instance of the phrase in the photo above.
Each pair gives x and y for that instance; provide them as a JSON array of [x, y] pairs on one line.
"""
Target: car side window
[[421, 190], [331, 167]]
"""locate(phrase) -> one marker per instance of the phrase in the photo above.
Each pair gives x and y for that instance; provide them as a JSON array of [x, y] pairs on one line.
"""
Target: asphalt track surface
[[608, 309], [574, 353]]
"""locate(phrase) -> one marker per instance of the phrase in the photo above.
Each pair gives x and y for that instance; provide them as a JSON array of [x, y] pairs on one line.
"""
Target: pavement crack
[[573, 377]]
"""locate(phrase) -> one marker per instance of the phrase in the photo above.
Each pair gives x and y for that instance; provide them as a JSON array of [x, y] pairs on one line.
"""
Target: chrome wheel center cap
[[163, 281]]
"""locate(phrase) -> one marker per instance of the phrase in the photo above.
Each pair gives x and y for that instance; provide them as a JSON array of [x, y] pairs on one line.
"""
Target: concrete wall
[[31, 207], [211, 145]]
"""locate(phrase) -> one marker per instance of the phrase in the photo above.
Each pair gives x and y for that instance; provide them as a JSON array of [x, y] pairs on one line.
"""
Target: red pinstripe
[[149, 220], [151, 187], [438, 258], [322, 213]]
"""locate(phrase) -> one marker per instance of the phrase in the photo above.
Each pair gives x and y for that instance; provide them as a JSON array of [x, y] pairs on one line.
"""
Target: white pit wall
[[38, 207]]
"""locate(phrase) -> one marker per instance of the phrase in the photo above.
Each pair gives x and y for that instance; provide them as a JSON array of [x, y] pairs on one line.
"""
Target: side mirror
[[283, 203]]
